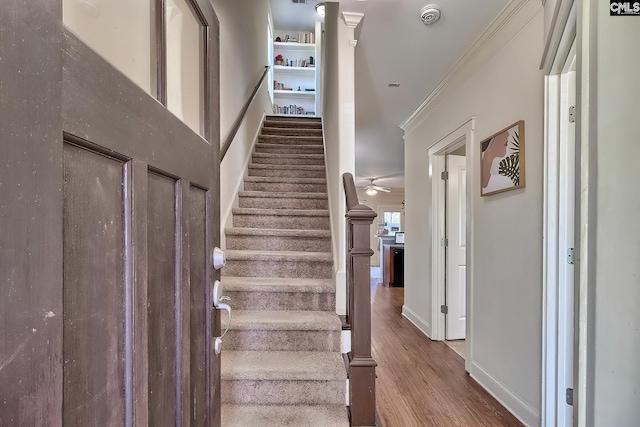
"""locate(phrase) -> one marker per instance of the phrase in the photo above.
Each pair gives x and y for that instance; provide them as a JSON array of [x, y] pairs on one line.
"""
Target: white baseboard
[[347, 394], [345, 341], [341, 292], [420, 323], [518, 407]]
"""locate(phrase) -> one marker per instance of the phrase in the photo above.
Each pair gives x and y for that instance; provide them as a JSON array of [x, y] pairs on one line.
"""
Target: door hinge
[[572, 114], [444, 309], [444, 175], [444, 242], [570, 256], [569, 396]]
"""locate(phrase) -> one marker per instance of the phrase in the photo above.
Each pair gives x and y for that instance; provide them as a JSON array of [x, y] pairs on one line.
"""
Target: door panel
[[93, 296], [456, 251], [168, 216], [163, 272]]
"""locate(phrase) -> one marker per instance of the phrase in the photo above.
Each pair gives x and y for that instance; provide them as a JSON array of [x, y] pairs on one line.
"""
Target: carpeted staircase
[[281, 360]]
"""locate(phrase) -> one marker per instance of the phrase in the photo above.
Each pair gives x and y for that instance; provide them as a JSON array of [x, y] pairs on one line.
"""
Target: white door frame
[[558, 236], [462, 136]]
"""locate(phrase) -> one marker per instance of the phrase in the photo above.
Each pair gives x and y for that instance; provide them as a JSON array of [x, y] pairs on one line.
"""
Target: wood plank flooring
[[422, 382]]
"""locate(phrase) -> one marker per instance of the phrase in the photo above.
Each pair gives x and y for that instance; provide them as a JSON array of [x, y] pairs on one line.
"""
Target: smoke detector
[[430, 14]]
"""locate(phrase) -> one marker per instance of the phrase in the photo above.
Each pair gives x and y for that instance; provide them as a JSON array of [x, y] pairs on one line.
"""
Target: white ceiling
[[395, 46]]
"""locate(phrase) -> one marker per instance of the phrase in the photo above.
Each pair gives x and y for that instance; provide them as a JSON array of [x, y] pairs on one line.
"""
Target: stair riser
[[286, 173], [282, 340], [279, 243], [281, 416], [289, 141], [281, 119], [282, 301], [291, 124], [282, 222], [283, 392], [285, 187], [291, 131], [288, 149], [282, 203], [280, 160], [292, 269]]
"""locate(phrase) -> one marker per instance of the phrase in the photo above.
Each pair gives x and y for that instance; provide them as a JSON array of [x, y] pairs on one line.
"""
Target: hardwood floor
[[422, 382]]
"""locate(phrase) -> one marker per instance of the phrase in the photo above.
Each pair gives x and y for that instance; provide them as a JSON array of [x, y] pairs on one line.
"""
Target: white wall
[[395, 198], [243, 56], [614, 314], [506, 275], [339, 132]]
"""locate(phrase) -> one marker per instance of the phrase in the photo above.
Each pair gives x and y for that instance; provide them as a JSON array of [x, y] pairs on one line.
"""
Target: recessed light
[[394, 84]]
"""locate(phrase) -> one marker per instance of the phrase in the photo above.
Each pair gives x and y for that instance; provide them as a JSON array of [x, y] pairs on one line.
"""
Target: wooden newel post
[[362, 366]]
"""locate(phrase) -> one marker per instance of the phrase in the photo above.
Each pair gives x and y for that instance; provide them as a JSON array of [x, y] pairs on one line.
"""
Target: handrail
[[350, 191], [243, 113], [362, 366]]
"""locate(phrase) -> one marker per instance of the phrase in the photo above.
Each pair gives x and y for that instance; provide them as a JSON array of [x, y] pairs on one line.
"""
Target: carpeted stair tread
[[289, 156], [282, 118], [315, 147], [281, 212], [300, 124], [263, 147], [279, 180], [301, 135], [287, 171], [284, 416], [282, 195], [285, 320], [241, 231], [268, 166], [278, 284], [278, 256], [283, 366]]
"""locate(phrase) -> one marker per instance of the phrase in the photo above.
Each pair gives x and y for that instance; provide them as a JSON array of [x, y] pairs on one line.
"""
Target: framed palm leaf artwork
[[502, 160]]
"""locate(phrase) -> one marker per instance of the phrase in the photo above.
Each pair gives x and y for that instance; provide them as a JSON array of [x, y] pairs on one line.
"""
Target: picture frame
[[502, 160]]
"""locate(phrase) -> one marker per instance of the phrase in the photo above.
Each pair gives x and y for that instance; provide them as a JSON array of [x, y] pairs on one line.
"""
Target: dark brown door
[[108, 217]]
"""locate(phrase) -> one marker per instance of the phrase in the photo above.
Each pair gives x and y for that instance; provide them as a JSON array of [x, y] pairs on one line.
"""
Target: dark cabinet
[[393, 265]]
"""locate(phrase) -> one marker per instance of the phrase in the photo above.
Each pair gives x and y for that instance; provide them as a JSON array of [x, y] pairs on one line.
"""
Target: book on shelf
[[291, 109], [305, 38], [300, 63]]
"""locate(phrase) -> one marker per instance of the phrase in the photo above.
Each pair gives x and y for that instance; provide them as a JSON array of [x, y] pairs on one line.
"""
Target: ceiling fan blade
[[384, 189]]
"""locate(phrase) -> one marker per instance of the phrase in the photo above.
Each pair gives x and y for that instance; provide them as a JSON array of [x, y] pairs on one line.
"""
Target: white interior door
[[455, 291], [566, 221]]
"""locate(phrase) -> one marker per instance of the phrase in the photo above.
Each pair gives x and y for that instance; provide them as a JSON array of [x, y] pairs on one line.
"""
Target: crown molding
[[352, 19], [504, 27]]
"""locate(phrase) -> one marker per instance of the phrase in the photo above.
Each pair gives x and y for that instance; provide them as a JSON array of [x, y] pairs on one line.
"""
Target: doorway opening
[[451, 261]]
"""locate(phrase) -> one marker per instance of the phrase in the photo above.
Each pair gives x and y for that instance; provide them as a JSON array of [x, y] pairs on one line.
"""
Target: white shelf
[[294, 46], [294, 94], [285, 69]]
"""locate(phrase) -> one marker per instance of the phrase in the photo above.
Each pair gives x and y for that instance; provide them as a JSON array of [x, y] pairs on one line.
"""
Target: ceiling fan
[[373, 189]]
